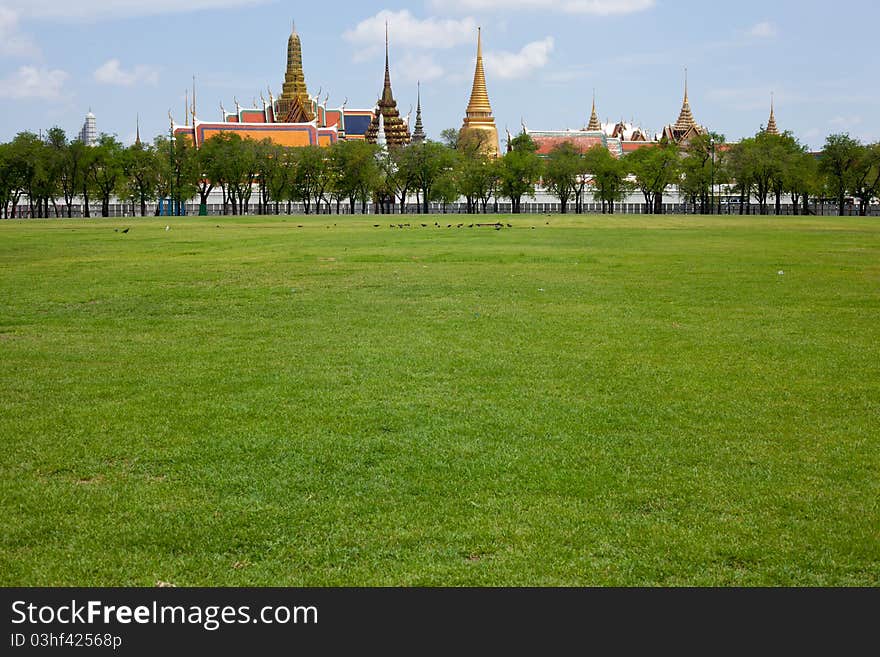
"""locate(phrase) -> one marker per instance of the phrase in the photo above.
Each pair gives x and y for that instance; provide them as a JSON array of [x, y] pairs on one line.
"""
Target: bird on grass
[[126, 230]]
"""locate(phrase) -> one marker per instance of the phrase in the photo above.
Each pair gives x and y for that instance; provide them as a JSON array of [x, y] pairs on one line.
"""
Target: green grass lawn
[[317, 401]]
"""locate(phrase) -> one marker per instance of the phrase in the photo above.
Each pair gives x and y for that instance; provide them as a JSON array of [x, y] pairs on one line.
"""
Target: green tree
[[866, 177], [699, 169], [520, 170], [654, 169], [608, 175], [11, 180], [141, 171], [801, 180], [446, 189], [838, 162], [307, 175], [449, 137], [562, 169], [209, 161], [426, 163], [357, 171], [107, 171]]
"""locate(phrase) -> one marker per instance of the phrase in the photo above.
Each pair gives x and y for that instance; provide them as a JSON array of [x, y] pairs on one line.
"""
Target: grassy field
[[318, 401]]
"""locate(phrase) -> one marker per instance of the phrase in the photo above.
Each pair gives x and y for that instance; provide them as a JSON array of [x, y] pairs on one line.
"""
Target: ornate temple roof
[[396, 131], [418, 134], [686, 117], [594, 118], [686, 126], [771, 128], [294, 105]]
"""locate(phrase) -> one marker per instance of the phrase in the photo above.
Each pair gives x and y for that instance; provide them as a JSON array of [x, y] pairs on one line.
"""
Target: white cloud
[[407, 31], [846, 121], [419, 67], [594, 7], [763, 30], [111, 72], [97, 10], [12, 42], [510, 65], [33, 82]]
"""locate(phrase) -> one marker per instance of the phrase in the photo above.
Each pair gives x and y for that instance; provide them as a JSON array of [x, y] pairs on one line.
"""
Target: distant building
[[619, 138], [295, 119], [89, 133]]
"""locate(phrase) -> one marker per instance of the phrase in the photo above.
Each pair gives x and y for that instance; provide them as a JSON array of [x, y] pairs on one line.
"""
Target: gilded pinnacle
[[479, 106], [686, 117], [771, 123], [594, 117]]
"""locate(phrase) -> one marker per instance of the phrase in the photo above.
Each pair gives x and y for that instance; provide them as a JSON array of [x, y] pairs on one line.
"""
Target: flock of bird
[[497, 225]]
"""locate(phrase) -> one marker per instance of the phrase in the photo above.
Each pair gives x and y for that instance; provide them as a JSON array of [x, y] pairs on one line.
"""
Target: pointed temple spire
[[294, 105], [418, 135], [594, 118], [194, 100], [685, 118], [137, 133], [386, 88], [479, 124], [396, 131], [771, 123]]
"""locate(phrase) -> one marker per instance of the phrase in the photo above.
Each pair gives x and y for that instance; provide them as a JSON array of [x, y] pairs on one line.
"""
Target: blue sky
[[544, 58]]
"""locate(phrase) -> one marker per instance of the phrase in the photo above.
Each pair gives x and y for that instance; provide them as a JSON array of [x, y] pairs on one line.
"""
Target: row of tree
[[52, 174]]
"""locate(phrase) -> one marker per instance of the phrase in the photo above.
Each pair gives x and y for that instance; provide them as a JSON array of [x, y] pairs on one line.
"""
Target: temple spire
[[686, 117], [478, 129], [386, 88], [419, 131], [194, 100], [396, 131], [294, 104], [479, 104], [594, 117], [137, 133], [771, 123]]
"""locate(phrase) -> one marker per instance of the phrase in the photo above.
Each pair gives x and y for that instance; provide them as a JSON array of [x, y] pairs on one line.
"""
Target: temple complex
[[622, 137], [478, 128], [296, 118], [619, 138], [396, 129]]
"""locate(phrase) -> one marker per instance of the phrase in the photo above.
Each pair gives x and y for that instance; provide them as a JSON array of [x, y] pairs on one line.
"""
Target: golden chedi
[[478, 130]]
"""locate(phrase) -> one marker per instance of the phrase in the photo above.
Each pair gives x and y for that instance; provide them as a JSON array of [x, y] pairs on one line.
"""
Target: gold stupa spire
[[294, 105], [686, 117], [479, 104], [594, 117], [771, 123], [479, 124]]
